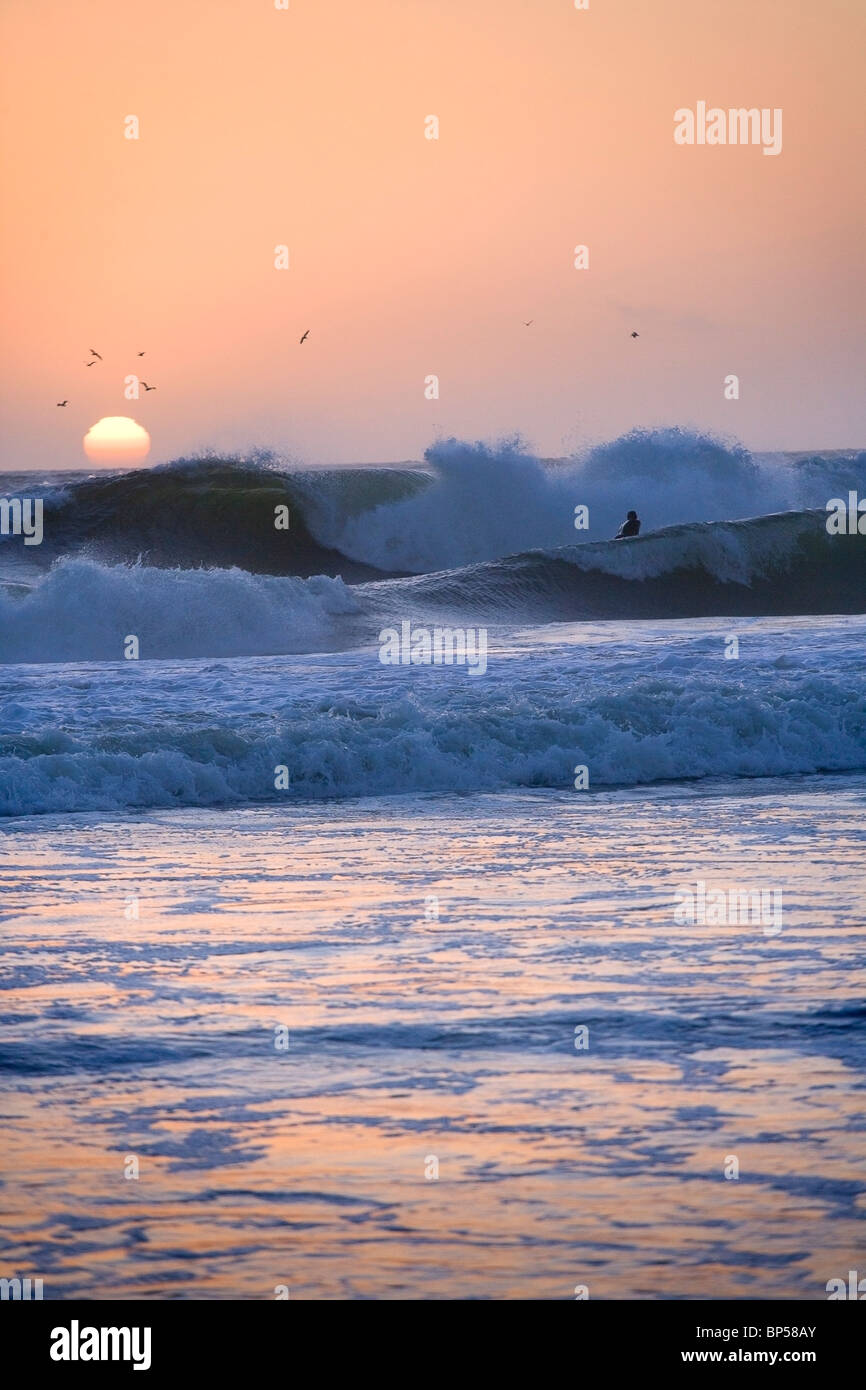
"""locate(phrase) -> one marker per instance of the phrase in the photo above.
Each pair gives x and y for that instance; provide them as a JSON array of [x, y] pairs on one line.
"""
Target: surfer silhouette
[[630, 527]]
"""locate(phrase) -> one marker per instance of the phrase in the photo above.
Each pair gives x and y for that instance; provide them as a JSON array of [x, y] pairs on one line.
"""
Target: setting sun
[[117, 439]]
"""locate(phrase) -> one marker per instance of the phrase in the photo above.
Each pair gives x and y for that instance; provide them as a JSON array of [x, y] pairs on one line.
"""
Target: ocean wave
[[211, 512], [631, 710], [466, 504], [485, 501], [772, 565], [84, 611]]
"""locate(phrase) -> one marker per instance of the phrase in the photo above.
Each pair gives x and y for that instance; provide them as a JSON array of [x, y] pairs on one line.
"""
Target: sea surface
[[354, 980]]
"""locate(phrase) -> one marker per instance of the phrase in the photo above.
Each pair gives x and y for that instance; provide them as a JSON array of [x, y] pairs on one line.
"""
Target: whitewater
[[187, 556], [634, 703]]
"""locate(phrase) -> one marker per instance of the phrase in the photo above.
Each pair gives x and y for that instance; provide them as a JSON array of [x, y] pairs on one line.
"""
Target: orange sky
[[411, 257]]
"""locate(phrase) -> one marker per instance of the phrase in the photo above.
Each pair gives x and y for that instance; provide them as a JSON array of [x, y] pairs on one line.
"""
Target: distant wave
[[780, 564], [632, 711], [481, 502], [82, 610], [468, 503]]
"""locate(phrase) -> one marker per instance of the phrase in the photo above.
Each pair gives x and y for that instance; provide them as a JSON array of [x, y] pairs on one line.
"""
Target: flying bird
[[306, 335], [635, 335], [139, 354], [526, 325], [92, 362], [61, 403], [95, 354], [148, 388]]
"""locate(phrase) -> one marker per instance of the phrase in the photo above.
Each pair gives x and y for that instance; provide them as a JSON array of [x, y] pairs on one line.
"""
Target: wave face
[[82, 610], [783, 564], [214, 512], [467, 503], [648, 703]]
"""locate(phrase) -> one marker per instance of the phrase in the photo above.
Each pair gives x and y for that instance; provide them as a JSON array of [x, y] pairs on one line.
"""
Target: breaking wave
[[466, 503], [781, 564], [82, 610], [632, 708]]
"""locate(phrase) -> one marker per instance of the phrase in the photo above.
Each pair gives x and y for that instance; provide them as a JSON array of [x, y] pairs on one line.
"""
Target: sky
[[412, 257]]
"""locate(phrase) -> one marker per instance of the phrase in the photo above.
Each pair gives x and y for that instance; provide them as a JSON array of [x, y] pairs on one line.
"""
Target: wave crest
[[83, 611], [468, 503]]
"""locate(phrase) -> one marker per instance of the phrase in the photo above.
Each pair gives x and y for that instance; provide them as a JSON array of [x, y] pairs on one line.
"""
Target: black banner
[[73, 1339]]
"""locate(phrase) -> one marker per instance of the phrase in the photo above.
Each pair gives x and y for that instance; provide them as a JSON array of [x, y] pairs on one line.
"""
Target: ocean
[[536, 976]]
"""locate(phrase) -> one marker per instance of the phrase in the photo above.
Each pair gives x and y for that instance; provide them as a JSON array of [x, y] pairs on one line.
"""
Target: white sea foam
[[83, 611], [485, 501], [635, 703], [731, 552]]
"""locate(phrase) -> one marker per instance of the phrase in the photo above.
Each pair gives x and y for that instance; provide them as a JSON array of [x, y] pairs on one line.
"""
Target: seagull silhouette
[[526, 325], [92, 362], [95, 354], [148, 388], [139, 354], [306, 335], [635, 335], [62, 403]]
